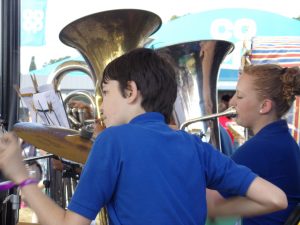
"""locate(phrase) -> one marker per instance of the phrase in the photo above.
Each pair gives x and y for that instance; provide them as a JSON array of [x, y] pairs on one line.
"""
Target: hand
[[98, 127], [11, 160], [82, 105], [213, 198], [57, 164]]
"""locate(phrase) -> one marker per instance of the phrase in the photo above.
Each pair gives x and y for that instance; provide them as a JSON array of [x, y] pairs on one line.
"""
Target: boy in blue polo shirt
[[143, 171]]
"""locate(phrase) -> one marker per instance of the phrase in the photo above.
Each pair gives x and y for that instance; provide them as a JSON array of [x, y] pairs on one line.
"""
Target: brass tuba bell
[[104, 36]]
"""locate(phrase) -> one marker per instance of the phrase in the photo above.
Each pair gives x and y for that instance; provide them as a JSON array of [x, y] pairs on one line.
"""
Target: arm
[[262, 197], [224, 175], [48, 212], [11, 164]]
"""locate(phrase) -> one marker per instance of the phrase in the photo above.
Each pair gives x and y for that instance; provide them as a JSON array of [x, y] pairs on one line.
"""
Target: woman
[[264, 95]]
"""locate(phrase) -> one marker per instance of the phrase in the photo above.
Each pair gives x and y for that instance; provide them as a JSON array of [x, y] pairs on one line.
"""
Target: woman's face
[[246, 102]]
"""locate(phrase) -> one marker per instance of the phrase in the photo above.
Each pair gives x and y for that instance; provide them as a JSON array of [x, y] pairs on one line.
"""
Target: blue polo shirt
[[274, 155], [146, 173]]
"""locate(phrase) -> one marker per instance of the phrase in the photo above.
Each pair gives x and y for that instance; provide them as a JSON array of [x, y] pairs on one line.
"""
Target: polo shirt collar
[[275, 127], [148, 117]]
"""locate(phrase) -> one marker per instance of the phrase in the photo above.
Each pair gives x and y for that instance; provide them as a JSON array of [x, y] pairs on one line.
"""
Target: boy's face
[[114, 106]]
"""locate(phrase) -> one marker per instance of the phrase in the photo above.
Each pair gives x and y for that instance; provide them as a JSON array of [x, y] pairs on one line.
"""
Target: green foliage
[[32, 65], [297, 18], [174, 17]]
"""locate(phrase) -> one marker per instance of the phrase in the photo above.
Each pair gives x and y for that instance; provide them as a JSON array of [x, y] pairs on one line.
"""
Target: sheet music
[[45, 105]]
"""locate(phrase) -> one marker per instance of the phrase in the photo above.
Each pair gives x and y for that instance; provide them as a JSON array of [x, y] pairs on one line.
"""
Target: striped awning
[[284, 51]]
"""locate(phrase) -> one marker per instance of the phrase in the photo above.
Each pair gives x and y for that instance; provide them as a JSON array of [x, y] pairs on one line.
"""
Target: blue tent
[[234, 25]]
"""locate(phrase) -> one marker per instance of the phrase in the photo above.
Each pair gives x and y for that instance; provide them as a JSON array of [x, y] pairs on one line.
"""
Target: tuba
[[198, 64], [104, 36]]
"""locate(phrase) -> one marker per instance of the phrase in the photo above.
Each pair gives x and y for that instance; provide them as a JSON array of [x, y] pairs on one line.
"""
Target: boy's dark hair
[[153, 74]]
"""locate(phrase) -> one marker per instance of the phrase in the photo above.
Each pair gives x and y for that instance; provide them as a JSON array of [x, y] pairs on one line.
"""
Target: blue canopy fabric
[[235, 25]]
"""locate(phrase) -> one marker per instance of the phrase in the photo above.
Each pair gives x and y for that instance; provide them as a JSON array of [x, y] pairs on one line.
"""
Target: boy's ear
[[132, 91], [266, 106]]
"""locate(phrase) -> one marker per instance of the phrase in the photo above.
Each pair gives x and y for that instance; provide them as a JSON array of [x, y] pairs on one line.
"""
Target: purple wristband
[[6, 185], [28, 181]]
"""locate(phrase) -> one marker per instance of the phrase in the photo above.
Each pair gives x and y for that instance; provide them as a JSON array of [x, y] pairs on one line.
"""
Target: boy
[[139, 168]]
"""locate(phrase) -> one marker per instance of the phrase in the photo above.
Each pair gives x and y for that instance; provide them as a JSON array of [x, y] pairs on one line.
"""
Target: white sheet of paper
[[39, 106]]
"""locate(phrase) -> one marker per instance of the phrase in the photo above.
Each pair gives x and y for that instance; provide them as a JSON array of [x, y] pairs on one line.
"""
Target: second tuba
[[198, 64]]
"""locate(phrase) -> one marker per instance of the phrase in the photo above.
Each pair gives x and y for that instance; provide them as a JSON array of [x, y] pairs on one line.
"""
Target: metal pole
[[9, 76]]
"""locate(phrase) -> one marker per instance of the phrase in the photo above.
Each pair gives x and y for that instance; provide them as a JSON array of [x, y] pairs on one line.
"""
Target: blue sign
[[33, 17]]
